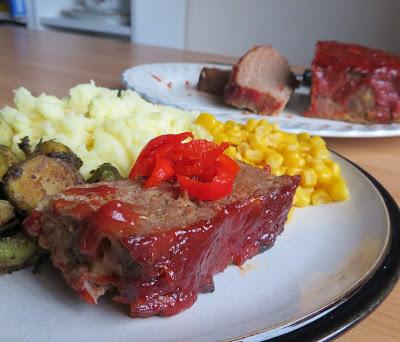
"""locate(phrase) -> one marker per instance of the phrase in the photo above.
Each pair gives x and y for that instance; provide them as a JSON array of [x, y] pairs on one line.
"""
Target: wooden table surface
[[54, 62]]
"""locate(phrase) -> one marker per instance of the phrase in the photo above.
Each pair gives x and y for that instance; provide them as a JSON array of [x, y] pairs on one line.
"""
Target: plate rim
[[324, 132], [347, 313]]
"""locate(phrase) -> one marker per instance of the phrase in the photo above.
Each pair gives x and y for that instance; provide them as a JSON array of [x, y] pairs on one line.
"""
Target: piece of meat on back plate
[[213, 80], [261, 82], [354, 83], [155, 247]]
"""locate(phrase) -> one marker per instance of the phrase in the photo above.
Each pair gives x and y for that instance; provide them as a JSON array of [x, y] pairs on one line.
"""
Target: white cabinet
[[70, 15], [151, 22]]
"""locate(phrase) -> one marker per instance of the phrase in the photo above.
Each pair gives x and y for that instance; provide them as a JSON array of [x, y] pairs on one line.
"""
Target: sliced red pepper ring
[[228, 164], [200, 166], [220, 187], [163, 171], [198, 155], [146, 159]]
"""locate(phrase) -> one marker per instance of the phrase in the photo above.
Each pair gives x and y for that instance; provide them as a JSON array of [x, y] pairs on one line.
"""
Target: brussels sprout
[[6, 213], [25, 146], [7, 159], [59, 151], [27, 183], [16, 252], [104, 173]]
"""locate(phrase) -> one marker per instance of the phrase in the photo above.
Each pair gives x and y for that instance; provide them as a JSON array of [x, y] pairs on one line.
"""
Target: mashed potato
[[97, 123]]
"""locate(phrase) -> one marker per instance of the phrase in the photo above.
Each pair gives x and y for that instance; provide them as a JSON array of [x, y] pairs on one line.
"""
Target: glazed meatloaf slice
[[355, 84], [156, 248], [261, 82]]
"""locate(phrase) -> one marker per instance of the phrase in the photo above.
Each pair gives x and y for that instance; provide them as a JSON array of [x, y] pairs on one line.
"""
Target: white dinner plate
[[331, 266], [174, 84]]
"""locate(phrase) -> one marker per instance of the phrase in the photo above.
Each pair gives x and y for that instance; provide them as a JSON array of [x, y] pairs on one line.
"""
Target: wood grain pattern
[[54, 62]]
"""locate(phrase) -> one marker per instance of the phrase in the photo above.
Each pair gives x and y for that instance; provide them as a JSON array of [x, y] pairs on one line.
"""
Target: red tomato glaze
[[177, 265], [340, 71], [173, 265]]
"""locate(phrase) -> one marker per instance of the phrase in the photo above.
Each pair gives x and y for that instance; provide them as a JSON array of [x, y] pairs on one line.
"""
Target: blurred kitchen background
[[227, 27]]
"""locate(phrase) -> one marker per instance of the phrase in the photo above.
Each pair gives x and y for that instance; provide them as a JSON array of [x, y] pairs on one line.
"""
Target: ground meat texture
[[261, 82], [175, 245], [355, 84]]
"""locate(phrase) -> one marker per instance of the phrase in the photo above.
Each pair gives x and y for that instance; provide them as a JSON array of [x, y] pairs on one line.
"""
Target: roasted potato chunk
[[6, 212], [59, 151], [27, 183], [104, 173], [16, 252]]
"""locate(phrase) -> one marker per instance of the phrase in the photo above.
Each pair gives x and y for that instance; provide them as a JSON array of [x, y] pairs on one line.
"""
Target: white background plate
[[323, 256], [175, 84]]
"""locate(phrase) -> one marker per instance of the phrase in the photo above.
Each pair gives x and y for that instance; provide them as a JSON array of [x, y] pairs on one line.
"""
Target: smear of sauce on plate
[[157, 78]]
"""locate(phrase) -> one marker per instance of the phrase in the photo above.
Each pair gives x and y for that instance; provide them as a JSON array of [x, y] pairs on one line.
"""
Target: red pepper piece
[[228, 164], [147, 158], [213, 183], [163, 171], [220, 187], [200, 165], [198, 155]]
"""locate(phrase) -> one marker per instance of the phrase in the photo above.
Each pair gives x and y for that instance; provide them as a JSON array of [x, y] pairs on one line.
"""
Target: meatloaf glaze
[[172, 245], [354, 83]]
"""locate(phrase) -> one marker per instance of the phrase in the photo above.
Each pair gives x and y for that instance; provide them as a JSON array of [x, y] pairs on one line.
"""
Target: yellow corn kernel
[[338, 190], [220, 137], [293, 146], [320, 196], [301, 198], [319, 152], [290, 214], [317, 141], [304, 137], [274, 159], [304, 147], [281, 147], [275, 127], [310, 161], [308, 178], [206, 120], [263, 129], [294, 159], [228, 125], [334, 167], [254, 156], [293, 171], [291, 138], [324, 174], [234, 136], [278, 171], [255, 142], [275, 138], [231, 152], [250, 125], [243, 147], [262, 122]]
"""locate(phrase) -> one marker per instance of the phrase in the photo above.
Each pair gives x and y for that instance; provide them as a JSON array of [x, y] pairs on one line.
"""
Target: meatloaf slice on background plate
[[261, 82]]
